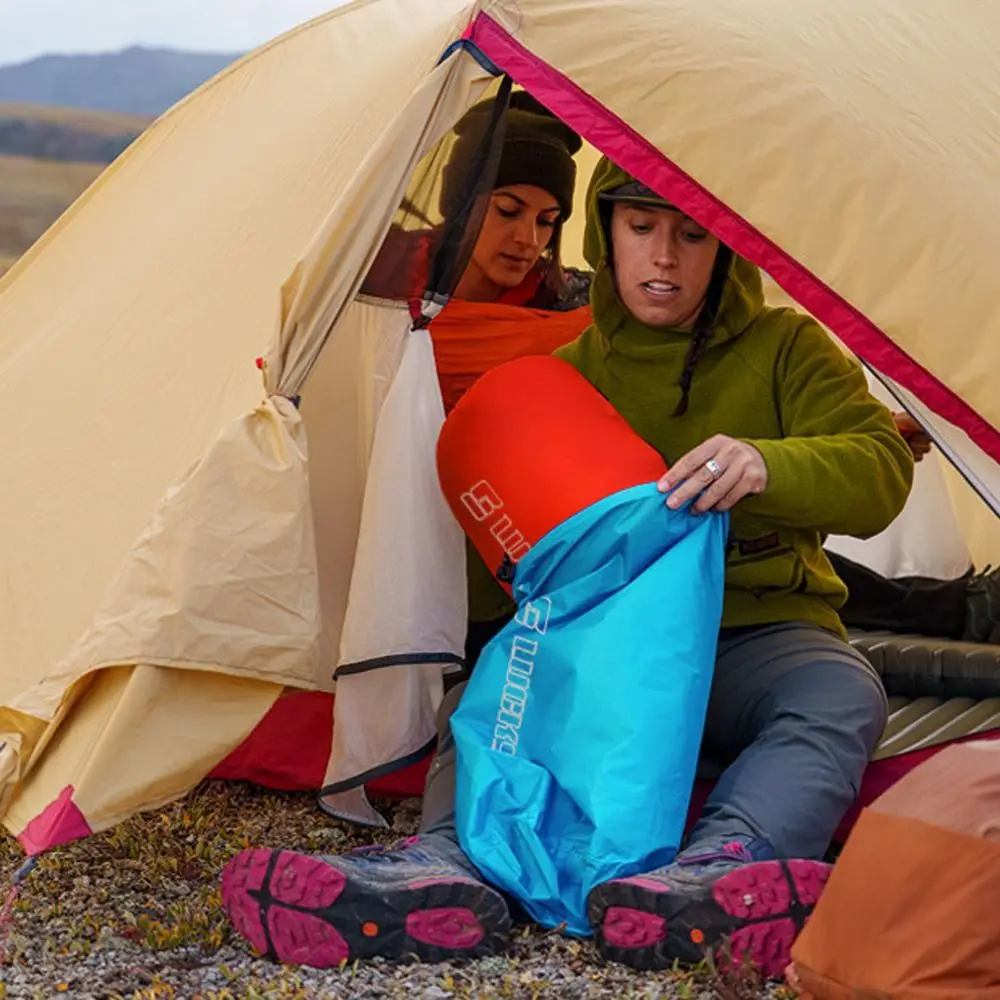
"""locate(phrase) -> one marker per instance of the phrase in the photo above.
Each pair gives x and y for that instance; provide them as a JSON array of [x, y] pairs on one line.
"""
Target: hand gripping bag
[[578, 733]]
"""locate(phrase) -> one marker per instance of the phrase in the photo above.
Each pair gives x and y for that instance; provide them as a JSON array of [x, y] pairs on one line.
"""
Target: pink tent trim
[[58, 823], [609, 134]]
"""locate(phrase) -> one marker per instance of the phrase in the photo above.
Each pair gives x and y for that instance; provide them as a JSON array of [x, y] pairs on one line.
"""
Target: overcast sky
[[34, 27]]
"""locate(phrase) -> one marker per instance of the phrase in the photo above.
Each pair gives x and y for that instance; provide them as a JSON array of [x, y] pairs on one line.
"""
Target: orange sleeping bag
[[528, 446], [471, 338]]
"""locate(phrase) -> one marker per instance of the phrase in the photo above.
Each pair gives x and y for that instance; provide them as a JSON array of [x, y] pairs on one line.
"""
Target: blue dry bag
[[579, 731]]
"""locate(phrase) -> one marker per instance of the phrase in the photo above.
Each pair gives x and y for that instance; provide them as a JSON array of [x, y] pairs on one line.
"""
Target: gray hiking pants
[[793, 718]]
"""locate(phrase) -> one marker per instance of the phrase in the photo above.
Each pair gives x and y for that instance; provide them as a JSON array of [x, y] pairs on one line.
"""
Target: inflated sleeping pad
[[939, 690]]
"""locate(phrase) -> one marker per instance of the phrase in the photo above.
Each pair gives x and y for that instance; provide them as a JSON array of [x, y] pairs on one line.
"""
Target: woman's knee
[[873, 710], [848, 698]]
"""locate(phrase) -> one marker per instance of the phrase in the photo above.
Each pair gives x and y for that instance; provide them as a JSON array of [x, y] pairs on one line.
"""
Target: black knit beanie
[[537, 149]]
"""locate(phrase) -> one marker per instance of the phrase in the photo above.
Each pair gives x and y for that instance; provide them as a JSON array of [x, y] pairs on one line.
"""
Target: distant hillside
[[66, 134], [48, 157], [137, 80], [64, 118], [33, 194]]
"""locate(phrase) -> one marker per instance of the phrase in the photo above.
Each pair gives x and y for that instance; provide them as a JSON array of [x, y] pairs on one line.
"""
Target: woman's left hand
[[726, 469], [913, 434]]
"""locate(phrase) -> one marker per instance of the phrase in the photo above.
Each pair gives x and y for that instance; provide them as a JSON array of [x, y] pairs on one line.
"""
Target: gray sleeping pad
[[939, 689]]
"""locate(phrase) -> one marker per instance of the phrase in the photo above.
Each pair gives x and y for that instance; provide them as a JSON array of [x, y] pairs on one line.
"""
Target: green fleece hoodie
[[772, 377]]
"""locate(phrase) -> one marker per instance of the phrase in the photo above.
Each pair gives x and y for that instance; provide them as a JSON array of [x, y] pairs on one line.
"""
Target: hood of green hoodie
[[742, 299]]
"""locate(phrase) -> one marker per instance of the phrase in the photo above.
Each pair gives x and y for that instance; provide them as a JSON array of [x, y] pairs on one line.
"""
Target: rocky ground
[[135, 913]]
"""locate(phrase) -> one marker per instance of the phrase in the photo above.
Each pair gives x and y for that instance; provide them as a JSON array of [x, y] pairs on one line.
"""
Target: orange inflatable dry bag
[[529, 445]]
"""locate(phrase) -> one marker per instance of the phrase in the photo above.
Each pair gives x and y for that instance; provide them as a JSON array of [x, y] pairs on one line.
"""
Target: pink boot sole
[[302, 910], [752, 914], [292, 936]]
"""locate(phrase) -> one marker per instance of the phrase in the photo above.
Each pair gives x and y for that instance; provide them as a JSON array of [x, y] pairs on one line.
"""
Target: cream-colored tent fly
[[180, 543]]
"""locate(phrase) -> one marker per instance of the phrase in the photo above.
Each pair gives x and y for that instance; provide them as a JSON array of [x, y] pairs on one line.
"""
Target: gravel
[[135, 913]]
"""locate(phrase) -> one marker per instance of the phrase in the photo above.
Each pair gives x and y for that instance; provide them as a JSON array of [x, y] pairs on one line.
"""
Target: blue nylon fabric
[[579, 731]]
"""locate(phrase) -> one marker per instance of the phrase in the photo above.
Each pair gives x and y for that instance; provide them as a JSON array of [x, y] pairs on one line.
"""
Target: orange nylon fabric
[[923, 867], [470, 338], [533, 444]]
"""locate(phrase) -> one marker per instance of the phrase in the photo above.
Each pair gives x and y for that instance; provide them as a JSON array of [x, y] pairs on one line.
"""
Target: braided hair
[[704, 324]]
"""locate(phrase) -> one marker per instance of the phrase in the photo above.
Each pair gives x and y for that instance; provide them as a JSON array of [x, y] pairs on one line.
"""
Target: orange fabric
[[470, 338], [524, 292], [530, 445], [958, 788], [910, 910]]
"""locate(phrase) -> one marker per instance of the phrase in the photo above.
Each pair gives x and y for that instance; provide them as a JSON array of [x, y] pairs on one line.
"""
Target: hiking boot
[[736, 903], [422, 898], [982, 607]]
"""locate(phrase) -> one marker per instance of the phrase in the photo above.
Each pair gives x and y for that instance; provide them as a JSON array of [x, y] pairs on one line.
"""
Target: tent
[[197, 549]]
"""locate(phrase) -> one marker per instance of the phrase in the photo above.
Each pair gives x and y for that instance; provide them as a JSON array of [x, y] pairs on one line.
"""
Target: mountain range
[[64, 118], [137, 80]]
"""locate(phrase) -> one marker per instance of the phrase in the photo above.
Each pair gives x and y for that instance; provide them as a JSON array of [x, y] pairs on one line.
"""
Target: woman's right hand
[[722, 469]]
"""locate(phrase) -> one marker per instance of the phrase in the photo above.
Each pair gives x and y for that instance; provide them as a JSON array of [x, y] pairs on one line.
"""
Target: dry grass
[[97, 122], [135, 913], [23, 179], [33, 194]]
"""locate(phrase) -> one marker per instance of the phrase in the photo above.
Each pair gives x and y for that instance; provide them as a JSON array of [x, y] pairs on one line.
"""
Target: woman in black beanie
[[515, 259], [516, 256]]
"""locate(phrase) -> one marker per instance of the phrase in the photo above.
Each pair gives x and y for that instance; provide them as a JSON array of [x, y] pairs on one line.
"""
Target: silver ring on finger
[[714, 469]]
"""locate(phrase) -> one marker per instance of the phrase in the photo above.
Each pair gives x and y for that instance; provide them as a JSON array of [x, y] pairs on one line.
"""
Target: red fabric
[[524, 292], [611, 136], [58, 823], [503, 497], [290, 748]]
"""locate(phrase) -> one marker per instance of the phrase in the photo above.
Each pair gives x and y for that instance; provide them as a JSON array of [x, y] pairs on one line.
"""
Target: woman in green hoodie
[[757, 412]]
